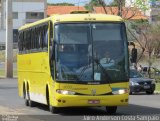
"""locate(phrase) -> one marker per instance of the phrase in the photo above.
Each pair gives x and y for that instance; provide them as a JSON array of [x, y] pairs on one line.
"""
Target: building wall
[[22, 8], [24, 11]]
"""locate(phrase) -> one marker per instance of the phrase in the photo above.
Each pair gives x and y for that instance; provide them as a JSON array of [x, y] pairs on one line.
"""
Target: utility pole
[[9, 40], [45, 8], [2, 14]]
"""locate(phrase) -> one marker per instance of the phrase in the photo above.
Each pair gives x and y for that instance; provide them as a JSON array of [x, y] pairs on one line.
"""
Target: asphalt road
[[12, 106]]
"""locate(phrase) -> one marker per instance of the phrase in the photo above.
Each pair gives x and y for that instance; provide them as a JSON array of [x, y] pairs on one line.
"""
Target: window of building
[[34, 15], [15, 15], [15, 35]]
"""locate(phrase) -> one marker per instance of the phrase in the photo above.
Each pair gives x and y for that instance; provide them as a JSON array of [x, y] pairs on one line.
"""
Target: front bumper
[[142, 88], [78, 100]]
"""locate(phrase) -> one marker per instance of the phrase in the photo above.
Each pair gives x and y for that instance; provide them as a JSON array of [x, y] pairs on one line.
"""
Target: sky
[[76, 2]]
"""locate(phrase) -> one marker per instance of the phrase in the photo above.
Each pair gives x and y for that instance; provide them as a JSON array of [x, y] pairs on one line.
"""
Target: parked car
[[139, 83]]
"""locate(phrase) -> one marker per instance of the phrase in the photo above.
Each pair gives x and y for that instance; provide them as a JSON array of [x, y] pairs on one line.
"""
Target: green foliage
[[95, 3], [142, 4], [135, 24], [158, 87], [60, 4], [116, 3], [89, 6]]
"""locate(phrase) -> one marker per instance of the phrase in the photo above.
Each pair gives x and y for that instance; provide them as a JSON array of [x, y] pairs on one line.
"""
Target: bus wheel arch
[[51, 108]]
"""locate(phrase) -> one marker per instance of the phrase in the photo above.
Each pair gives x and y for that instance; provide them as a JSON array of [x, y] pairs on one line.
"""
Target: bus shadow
[[133, 109], [94, 111]]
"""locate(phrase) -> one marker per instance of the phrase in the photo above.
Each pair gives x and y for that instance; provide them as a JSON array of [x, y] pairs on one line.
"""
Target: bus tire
[[30, 102], [25, 97], [51, 108], [111, 109]]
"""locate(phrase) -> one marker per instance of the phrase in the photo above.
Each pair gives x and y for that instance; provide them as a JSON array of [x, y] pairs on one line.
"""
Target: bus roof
[[75, 18]]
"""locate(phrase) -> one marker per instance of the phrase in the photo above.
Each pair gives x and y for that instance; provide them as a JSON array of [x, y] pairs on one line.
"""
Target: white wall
[[22, 8]]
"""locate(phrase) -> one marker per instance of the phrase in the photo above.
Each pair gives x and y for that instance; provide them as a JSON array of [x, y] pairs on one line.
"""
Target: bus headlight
[[65, 92], [120, 91]]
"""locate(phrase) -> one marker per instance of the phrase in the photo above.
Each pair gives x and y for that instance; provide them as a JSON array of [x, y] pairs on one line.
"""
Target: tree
[[90, 6], [148, 37], [117, 3], [124, 7]]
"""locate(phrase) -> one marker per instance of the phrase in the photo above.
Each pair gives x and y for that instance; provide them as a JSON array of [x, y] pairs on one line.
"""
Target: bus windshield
[[91, 52]]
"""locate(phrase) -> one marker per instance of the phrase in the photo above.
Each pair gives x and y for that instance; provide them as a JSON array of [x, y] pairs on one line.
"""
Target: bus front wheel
[[53, 109], [111, 109]]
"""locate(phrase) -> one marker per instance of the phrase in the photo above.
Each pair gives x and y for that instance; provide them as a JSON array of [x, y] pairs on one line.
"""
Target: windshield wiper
[[82, 73], [104, 70]]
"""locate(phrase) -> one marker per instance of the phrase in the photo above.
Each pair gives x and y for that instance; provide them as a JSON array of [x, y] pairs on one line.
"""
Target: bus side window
[[27, 40], [36, 39], [41, 37], [51, 34], [20, 42], [24, 43], [30, 40], [32, 37], [45, 36]]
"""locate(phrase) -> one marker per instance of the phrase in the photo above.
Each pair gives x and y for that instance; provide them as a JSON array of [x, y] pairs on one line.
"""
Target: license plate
[[93, 101], [146, 87]]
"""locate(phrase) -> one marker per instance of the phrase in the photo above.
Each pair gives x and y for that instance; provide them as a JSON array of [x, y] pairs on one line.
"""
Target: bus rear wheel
[[31, 103], [111, 109], [26, 97]]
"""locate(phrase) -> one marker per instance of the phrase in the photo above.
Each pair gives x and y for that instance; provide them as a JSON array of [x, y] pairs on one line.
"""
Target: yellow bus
[[74, 60]]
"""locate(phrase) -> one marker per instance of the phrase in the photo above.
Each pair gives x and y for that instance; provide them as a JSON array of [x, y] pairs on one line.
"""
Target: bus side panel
[[31, 70]]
